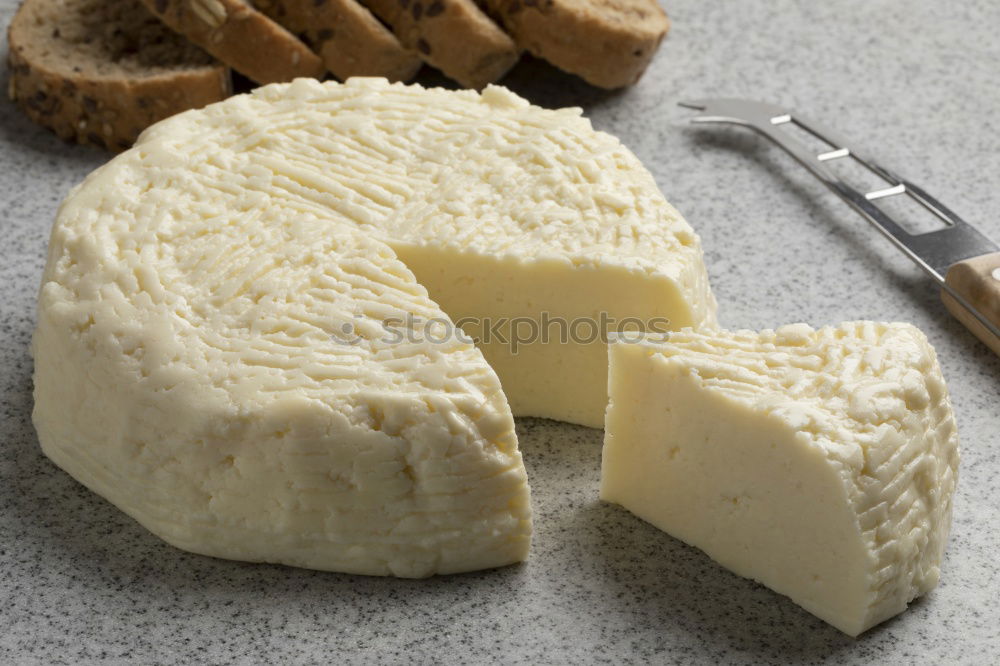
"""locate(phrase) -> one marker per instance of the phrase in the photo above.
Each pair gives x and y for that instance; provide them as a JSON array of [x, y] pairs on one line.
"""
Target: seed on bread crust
[[212, 12]]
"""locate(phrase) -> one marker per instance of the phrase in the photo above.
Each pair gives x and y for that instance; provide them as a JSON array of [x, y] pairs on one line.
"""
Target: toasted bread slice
[[608, 43], [455, 36], [98, 72], [347, 37], [241, 37]]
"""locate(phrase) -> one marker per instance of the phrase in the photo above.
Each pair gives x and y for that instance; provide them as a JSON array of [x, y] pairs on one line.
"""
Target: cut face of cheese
[[236, 344], [821, 463]]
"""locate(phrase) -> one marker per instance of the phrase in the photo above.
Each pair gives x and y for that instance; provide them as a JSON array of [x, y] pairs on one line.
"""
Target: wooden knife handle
[[977, 280]]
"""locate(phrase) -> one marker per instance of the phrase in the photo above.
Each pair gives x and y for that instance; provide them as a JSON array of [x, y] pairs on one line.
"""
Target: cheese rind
[[820, 463], [230, 349]]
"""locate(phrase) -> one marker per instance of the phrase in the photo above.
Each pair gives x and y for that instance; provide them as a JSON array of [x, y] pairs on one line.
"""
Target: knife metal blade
[[975, 299]]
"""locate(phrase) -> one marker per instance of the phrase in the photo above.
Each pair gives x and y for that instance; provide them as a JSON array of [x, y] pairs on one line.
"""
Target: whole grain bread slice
[[455, 36], [608, 43], [240, 36], [99, 72], [348, 38]]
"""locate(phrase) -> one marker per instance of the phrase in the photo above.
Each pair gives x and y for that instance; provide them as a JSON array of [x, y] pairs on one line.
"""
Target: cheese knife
[[963, 261]]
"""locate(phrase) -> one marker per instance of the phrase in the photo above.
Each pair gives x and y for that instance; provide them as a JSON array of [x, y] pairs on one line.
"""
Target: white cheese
[[225, 378], [501, 210], [820, 463], [217, 350]]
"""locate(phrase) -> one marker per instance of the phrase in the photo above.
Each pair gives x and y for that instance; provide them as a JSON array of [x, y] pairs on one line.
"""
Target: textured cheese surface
[[820, 462], [504, 211], [256, 409], [218, 349]]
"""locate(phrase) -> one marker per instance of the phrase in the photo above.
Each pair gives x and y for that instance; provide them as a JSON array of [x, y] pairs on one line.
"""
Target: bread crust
[[88, 108], [241, 37], [455, 36], [348, 38], [606, 45]]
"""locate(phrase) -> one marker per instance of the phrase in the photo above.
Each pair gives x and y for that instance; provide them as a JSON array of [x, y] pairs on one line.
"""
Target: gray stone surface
[[917, 83]]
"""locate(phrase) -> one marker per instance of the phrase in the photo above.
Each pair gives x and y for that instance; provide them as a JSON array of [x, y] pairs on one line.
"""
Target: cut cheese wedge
[[821, 463], [234, 345], [225, 377]]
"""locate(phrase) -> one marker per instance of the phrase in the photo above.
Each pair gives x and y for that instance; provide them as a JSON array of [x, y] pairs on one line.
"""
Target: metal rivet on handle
[[833, 154], [887, 192]]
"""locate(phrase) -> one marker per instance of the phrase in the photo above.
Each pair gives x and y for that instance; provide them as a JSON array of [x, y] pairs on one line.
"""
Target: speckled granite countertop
[[917, 83]]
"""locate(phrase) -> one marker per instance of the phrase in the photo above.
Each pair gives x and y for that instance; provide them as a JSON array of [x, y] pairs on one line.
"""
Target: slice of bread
[[99, 72], [240, 36], [608, 43], [350, 40], [453, 35]]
